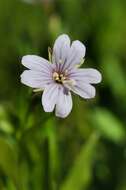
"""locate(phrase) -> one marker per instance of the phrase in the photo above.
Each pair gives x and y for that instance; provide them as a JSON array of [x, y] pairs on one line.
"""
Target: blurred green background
[[87, 150]]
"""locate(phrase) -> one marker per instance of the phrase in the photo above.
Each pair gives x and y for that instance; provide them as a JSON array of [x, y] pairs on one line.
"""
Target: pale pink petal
[[84, 90], [92, 76], [61, 49], [76, 54], [49, 97], [36, 63], [64, 104], [35, 79]]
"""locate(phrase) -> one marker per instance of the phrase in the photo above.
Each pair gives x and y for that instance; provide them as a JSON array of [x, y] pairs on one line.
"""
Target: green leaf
[[52, 137], [81, 173], [108, 124], [8, 160], [5, 124], [118, 87]]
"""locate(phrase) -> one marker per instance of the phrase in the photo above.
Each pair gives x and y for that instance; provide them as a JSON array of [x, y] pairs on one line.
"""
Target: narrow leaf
[[109, 125], [81, 173]]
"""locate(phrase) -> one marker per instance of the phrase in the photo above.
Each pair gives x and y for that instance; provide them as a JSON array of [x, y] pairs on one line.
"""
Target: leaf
[[51, 135], [8, 160], [108, 125], [120, 89], [5, 124], [81, 173]]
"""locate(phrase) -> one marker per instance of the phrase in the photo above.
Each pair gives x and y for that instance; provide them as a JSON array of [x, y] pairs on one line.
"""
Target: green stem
[[47, 184]]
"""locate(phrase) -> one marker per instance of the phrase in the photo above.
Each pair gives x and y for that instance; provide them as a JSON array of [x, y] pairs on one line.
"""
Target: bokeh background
[[87, 150]]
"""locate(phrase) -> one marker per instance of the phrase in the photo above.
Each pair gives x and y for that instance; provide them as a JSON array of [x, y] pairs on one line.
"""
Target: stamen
[[59, 78], [55, 75]]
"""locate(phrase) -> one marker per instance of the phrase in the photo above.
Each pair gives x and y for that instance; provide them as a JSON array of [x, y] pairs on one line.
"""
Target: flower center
[[59, 78]]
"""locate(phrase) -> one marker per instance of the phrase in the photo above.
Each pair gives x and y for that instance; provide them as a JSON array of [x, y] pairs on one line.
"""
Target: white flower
[[61, 76]]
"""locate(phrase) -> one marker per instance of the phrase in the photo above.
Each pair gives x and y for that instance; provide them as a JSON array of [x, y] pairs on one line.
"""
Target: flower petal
[[64, 104], [92, 76], [35, 79], [84, 90], [36, 63], [61, 49], [49, 97], [76, 54]]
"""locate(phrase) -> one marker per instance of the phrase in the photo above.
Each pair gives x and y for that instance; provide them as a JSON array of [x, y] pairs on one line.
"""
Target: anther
[[55, 75], [60, 61], [58, 77]]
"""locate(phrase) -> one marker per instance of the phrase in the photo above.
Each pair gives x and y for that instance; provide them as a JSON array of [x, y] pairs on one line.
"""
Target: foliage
[[87, 149]]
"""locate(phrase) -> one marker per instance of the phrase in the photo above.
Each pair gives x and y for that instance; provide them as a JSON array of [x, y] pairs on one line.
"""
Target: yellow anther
[[58, 77], [55, 75]]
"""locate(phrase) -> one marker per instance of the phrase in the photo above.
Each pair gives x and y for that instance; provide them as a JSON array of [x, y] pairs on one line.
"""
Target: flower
[[63, 75]]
